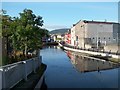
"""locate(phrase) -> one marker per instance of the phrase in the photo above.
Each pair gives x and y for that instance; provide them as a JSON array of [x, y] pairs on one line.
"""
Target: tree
[[27, 32], [4, 34], [5, 21], [30, 33]]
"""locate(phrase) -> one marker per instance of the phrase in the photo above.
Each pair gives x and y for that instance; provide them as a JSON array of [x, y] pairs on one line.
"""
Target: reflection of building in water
[[71, 56], [83, 64]]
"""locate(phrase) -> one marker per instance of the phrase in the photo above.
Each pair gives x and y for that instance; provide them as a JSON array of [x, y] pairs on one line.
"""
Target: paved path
[[89, 52]]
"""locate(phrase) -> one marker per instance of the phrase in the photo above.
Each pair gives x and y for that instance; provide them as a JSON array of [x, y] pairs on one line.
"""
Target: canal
[[69, 70]]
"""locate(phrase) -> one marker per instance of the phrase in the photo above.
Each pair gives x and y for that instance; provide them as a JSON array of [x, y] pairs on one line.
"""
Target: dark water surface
[[75, 72]]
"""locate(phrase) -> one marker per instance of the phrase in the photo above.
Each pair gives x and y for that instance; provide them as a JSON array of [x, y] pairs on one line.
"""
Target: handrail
[[74, 47], [10, 72], [20, 62]]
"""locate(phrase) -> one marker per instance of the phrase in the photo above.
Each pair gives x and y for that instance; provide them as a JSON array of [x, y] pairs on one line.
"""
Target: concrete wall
[[14, 73], [112, 47], [0, 51], [87, 46], [39, 84], [116, 32], [102, 32], [80, 30], [90, 52], [0, 62], [91, 33]]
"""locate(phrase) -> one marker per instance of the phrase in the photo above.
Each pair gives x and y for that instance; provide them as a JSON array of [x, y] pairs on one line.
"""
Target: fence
[[91, 49], [117, 56], [13, 73]]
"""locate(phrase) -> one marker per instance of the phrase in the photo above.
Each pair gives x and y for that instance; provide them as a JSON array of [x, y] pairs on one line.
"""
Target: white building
[[57, 37], [92, 34]]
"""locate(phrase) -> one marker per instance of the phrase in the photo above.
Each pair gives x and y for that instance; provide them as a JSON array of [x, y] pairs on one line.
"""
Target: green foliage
[[5, 21], [23, 32]]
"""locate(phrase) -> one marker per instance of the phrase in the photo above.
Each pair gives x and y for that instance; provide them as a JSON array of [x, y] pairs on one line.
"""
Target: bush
[[18, 58]]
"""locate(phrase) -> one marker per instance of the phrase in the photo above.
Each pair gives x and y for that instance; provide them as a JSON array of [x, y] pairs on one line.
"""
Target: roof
[[97, 22]]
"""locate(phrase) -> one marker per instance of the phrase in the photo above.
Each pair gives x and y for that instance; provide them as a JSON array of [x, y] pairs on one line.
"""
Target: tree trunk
[[25, 50], [38, 52]]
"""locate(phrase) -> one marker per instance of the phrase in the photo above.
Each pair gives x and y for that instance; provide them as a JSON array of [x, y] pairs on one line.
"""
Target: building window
[[76, 38], [114, 38], [109, 38]]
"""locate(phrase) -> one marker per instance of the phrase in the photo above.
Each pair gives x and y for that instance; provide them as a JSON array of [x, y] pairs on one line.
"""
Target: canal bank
[[113, 57], [23, 74], [34, 81], [62, 73]]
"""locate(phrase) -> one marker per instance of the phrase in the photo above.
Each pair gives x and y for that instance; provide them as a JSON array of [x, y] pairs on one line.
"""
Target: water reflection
[[84, 64], [61, 74], [51, 46]]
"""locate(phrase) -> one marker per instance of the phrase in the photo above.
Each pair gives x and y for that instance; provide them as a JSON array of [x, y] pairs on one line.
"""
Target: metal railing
[[91, 49], [13, 73]]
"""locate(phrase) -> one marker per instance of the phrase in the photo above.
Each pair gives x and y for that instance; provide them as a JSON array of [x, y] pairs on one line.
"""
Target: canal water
[[70, 70]]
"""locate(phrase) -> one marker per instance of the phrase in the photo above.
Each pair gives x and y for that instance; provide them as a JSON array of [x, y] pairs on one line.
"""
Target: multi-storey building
[[57, 37], [67, 37], [94, 34], [73, 38]]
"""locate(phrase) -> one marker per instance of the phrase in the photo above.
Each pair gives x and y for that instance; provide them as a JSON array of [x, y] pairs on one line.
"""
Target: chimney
[[73, 25]]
